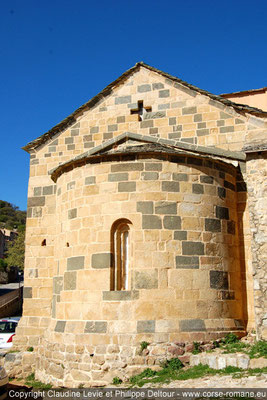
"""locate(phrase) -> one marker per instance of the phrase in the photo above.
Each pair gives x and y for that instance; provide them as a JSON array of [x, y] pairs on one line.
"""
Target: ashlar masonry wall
[[176, 263], [55, 219], [257, 199]]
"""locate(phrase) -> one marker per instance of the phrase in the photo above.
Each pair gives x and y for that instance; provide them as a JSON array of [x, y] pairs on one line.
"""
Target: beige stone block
[[189, 127], [162, 259], [119, 327], [194, 236], [213, 115], [119, 197], [41, 170], [163, 278], [155, 196], [151, 235], [157, 295], [93, 279], [180, 279], [200, 279], [73, 311], [90, 190], [146, 310], [142, 260], [186, 119], [175, 112], [191, 223], [148, 186], [191, 294], [45, 292]]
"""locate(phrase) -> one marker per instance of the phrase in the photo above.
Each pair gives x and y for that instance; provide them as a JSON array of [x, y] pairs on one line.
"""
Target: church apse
[[152, 256]]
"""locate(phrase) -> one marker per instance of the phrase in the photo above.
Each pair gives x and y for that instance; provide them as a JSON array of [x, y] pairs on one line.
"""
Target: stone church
[[146, 223]]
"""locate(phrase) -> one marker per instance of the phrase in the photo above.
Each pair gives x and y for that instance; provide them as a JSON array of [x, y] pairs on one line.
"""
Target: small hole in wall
[[44, 242], [67, 244]]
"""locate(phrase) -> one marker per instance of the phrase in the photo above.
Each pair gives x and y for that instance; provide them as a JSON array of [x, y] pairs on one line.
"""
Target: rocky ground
[[226, 381]]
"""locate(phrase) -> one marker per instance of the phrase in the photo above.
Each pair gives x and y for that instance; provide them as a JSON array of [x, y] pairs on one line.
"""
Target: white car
[[7, 331]]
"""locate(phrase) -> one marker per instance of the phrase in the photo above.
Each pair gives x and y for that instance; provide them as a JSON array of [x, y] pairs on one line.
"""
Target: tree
[[10, 216], [15, 252]]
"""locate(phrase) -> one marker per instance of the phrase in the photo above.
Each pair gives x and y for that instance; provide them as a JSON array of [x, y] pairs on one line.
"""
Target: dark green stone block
[[193, 248], [187, 262], [172, 222], [60, 326], [180, 235], [118, 177], [145, 326], [168, 186], [123, 100], [219, 280], [145, 207], [144, 88], [101, 260], [192, 325], [151, 222], [27, 292], [222, 212], [95, 327], [189, 110], [206, 179], [197, 188], [127, 187], [164, 93], [70, 280], [72, 213], [165, 207], [149, 176], [36, 201], [212, 225], [74, 263]]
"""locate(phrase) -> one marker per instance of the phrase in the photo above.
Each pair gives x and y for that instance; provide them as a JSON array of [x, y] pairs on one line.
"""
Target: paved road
[[11, 286], [8, 287]]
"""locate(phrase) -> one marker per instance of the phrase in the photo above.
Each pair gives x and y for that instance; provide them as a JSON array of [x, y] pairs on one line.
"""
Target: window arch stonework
[[120, 251]]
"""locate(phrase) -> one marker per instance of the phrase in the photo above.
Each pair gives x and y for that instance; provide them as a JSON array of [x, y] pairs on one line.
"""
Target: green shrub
[[174, 364], [230, 338], [144, 345], [196, 349], [116, 380]]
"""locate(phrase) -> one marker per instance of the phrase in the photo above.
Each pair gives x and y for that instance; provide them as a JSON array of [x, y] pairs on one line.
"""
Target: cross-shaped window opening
[[141, 110]]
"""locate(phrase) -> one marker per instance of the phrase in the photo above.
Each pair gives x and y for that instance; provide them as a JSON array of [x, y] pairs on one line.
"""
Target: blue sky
[[56, 55]]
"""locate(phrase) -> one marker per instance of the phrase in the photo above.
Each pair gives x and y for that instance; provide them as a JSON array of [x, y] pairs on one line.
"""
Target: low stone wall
[[72, 365], [20, 364], [220, 361]]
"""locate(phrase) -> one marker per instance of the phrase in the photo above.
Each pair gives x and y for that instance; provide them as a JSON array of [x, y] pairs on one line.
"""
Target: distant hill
[[11, 217]]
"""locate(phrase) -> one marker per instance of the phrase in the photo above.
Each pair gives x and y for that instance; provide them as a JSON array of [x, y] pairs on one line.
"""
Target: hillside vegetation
[[11, 217]]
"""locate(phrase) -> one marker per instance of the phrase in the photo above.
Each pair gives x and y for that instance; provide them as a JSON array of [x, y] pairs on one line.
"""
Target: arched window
[[120, 254]]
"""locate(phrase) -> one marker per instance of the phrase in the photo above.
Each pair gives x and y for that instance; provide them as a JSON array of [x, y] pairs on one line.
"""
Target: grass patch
[[31, 381], [173, 370], [259, 349], [256, 350]]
